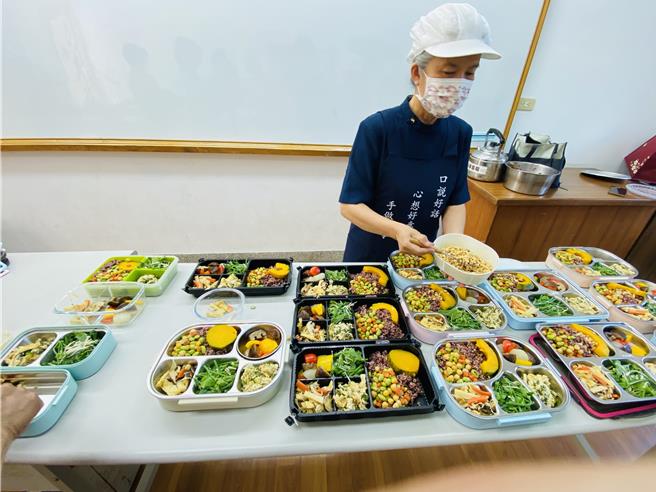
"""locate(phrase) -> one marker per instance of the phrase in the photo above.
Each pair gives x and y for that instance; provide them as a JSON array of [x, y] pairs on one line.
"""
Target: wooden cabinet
[[581, 213]]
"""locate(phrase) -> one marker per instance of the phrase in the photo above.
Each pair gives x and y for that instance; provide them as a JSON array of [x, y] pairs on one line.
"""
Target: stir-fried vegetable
[[216, 376], [348, 362], [257, 376], [580, 304], [477, 399], [490, 316], [73, 347], [175, 379], [434, 273], [632, 378], [352, 395], [337, 275], [340, 311], [236, 267], [603, 269], [551, 306], [512, 396], [541, 385], [595, 380], [314, 398], [26, 353], [460, 319], [156, 262], [521, 307]]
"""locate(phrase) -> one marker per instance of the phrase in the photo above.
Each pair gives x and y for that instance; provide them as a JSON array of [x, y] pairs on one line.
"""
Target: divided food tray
[[135, 267], [213, 265], [474, 300], [55, 387], [580, 270], [426, 402], [487, 386], [48, 337], [346, 285], [567, 299], [430, 273], [193, 395], [639, 310], [617, 396], [324, 322]]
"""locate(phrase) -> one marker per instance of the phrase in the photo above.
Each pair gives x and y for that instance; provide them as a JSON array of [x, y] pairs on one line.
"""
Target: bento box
[[632, 302], [489, 381], [464, 258], [406, 269], [583, 265], [211, 367], [55, 387], [155, 272], [263, 277], [529, 297], [434, 310], [343, 280], [611, 363], [82, 351], [343, 321], [358, 381], [107, 303]]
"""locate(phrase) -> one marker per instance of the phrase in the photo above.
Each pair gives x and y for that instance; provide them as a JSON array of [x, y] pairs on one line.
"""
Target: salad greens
[[512, 396], [216, 376], [73, 347], [603, 269], [156, 262], [651, 307], [348, 362], [337, 275], [550, 305], [236, 267], [434, 273], [459, 319], [631, 378], [340, 311]]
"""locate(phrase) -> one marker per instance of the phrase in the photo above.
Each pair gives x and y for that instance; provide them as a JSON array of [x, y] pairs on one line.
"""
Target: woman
[[408, 165]]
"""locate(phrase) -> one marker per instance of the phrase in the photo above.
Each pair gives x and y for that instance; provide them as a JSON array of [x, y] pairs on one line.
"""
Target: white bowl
[[476, 247]]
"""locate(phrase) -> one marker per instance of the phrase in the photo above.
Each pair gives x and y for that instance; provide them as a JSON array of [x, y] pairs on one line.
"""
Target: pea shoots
[[459, 319], [512, 396], [551, 306], [216, 376], [348, 362], [340, 311], [236, 267], [73, 347], [337, 275], [631, 378]]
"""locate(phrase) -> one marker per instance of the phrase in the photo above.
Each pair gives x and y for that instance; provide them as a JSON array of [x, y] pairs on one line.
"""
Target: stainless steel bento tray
[[565, 296], [621, 312], [51, 335], [430, 336], [190, 399], [601, 329], [540, 411], [576, 272], [402, 282]]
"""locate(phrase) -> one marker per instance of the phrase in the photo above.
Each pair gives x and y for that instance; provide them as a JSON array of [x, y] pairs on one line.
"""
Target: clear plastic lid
[[116, 303], [220, 304]]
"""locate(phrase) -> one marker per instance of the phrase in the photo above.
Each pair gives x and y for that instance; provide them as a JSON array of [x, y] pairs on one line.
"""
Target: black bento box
[[351, 269], [251, 265], [425, 403], [297, 345]]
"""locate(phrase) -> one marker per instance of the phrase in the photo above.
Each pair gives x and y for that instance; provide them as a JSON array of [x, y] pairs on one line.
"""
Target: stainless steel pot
[[488, 162], [529, 178]]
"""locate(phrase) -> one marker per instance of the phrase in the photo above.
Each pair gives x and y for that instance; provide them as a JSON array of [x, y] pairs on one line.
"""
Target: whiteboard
[[305, 71]]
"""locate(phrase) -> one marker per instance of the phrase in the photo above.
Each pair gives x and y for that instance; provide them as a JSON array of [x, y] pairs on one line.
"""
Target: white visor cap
[[451, 30]]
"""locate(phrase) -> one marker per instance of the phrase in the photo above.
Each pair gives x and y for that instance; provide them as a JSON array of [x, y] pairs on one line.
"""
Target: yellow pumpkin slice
[[403, 361], [389, 308], [427, 259], [220, 336], [383, 279]]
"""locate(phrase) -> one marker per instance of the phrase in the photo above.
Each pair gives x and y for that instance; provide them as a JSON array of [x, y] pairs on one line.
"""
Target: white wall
[[171, 202], [593, 77]]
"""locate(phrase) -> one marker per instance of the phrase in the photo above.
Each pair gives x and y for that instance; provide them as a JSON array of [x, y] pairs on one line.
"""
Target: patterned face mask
[[444, 96]]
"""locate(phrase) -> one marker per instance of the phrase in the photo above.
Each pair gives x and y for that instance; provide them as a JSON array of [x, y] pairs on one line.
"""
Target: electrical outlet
[[526, 104]]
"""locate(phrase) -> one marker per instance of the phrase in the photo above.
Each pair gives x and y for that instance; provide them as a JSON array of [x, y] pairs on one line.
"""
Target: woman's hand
[[412, 241], [19, 406]]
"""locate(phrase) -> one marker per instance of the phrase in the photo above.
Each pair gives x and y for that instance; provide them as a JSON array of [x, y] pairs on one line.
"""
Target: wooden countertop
[[576, 190]]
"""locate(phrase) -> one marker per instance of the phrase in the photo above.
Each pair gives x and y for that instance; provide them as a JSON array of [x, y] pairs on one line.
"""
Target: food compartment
[[73, 347], [618, 293], [257, 376], [513, 396], [550, 282], [204, 340], [433, 321], [115, 269], [109, 303], [28, 349], [351, 394], [475, 399], [430, 298], [520, 306], [490, 317], [327, 281], [516, 353], [544, 386], [268, 274], [580, 304], [512, 282], [205, 282], [467, 361], [405, 260], [411, 273], [631, 377], [146, 276], [575, 341], [435, 274], [260, 341], [624, 341], [650, 364], [595, 381], [173, 377], [216, 375]]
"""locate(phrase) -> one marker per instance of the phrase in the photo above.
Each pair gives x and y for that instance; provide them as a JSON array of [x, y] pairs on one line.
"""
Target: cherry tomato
[[310, 358], [314, 271]]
